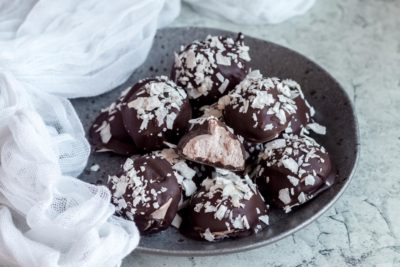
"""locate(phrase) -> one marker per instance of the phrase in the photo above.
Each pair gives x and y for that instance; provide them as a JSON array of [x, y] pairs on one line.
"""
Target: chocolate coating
[[147, 192], [292, 170], [158, 111], [212, 143], [253, 150], [226, 206], [189, 171], [304, 111], [184, 172], [211, 68], [202, 172], [259, 108], [108, 133], [301, 118]]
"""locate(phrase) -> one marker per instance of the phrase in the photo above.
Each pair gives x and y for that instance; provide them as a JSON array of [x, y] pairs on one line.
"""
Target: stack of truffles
[[211, 147]]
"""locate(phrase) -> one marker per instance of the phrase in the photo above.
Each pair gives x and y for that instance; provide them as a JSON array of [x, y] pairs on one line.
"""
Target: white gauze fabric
[[252, 12], [50, 50]]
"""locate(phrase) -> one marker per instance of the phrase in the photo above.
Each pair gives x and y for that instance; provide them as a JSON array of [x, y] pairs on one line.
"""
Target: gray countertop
[[358, 42]]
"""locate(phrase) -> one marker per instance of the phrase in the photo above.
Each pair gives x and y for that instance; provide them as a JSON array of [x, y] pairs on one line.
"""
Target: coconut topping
[[233, 191], [259, 93], [317, 128], [196, 66], [294, 154], [212, 111], [133, 191], [230, 200], [95, 168], [232, 186], [104, 128], [183, 172], [161, 101], [177, 221], [285, 155]]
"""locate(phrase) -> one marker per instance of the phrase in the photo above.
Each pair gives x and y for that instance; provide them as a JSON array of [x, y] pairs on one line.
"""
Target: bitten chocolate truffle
[[158, 111], [108, 133], [146, 192], [211, 68], [259, 108], [252, 149], [225, 206], [211, 142], [293, 170]]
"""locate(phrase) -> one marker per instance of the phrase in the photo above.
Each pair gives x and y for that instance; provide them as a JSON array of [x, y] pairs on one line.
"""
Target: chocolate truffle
[[211, 68], [225, 206], [211, 142], [146, 192], [259, 108], [158, 111], [292, 170], [108, 132]]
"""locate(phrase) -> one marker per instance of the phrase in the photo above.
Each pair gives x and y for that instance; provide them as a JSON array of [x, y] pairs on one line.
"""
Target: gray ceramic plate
[[333, 107]]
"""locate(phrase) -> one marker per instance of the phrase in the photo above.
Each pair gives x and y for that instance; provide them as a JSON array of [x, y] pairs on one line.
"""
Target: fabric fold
[[67, 49]]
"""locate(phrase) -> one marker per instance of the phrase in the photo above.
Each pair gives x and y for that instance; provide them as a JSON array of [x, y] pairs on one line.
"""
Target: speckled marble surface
[[358, 42]]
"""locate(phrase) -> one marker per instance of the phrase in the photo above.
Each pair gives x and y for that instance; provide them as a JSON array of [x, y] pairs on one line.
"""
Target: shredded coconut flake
[[317, 128], [275, 144], [208, 235], [309, 180], [128, 164], [177, 221], [220, 213], [284, 196], [290, 164], [301, 198], [105, 132], [223, 86], [293, 180], [264, 219], [95, 168]]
